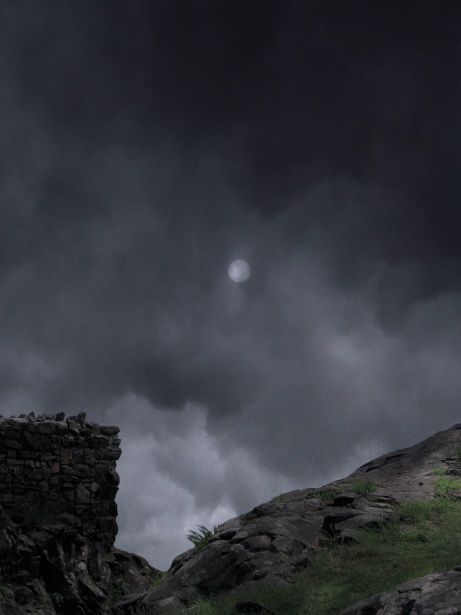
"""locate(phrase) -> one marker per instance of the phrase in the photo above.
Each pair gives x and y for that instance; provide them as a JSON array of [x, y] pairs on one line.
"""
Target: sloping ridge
[[277, 539]]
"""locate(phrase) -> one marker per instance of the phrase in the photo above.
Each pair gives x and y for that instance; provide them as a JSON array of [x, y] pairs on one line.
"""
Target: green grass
[[417, 513], [162, 576], [200, 537], [446, 487], [424, 538], [363, 487], [439, 471], [326, 496]]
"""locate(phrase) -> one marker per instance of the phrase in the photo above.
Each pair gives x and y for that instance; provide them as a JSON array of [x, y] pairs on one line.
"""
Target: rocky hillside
[[58, 524], [275, 540]]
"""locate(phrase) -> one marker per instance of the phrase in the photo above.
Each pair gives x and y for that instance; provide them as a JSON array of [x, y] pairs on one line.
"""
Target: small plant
[[439, 471], [326, 496], [201, 537], [363, 487], [160, 578], [447, 488]]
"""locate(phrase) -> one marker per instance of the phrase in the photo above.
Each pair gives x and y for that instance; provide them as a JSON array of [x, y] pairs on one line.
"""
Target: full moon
[[239, 271]]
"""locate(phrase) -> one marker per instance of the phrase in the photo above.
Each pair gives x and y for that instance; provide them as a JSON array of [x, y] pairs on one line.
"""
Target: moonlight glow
[[239, 271]]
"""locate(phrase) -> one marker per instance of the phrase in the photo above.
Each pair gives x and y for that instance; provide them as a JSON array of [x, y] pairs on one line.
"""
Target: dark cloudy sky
[[145, 144]]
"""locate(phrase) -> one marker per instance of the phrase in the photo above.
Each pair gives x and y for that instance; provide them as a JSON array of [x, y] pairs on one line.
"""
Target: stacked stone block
[[53, 465]]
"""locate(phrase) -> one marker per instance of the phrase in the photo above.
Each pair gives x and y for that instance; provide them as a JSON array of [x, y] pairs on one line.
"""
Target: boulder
[[437, 594]]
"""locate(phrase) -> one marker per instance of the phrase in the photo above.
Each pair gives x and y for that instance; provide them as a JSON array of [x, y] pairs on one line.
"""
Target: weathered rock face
[[433, 594], [275, 540], [58, 518], [50, 466], [270, 544]]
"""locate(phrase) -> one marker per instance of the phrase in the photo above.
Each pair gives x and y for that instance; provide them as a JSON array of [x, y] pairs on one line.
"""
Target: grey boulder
[[434, 594]]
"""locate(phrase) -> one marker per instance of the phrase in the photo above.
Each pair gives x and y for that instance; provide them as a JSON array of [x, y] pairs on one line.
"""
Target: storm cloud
[[145, 146]]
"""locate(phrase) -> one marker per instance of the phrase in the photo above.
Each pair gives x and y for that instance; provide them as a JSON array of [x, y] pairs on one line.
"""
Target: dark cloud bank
[[144, 146]]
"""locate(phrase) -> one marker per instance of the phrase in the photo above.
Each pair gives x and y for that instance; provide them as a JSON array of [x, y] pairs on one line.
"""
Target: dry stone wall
[[52, 465]]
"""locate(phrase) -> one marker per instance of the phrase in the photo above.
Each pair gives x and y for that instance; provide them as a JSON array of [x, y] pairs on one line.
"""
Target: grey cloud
[[174, 475], [147, 147]]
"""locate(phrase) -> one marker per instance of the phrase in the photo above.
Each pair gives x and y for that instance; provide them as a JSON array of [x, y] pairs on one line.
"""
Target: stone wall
[[50, 465]]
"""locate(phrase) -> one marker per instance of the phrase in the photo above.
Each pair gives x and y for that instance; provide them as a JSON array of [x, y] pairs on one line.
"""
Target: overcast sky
[[145, 145]]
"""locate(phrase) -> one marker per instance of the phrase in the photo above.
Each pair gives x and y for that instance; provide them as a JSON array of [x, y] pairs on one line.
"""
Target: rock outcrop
[[58, 518], [434, 594], [276, 539], [58, 483]]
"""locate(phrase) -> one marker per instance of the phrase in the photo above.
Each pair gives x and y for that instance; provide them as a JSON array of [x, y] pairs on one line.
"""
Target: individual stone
[[239, 536], [257, 543], [109, 430], [45, 427], [73, 426], [99, 441], [66, 456], [82, 495], [111, 452]]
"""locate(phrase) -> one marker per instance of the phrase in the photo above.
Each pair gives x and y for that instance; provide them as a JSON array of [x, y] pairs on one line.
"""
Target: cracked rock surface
[[435, 594]]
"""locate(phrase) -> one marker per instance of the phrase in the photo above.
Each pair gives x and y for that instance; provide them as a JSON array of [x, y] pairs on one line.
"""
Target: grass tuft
[[363, 487], [200, 537], [161, 577], [446, 487], [326, 496]]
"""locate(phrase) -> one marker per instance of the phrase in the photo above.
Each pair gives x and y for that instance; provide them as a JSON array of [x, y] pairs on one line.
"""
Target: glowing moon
[[239, 271]]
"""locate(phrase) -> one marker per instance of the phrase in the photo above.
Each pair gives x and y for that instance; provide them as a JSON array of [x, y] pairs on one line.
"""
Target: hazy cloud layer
[[145, 147]]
